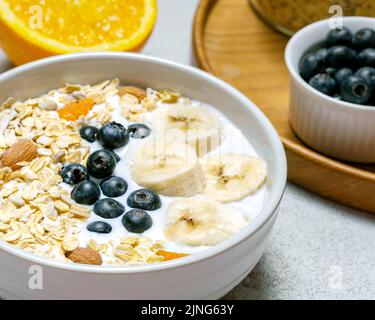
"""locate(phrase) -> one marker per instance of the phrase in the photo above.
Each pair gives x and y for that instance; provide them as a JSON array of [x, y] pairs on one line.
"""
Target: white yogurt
[[234, 142]]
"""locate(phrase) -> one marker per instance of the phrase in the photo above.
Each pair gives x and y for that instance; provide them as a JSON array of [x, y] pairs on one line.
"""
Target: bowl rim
[[301, 35], [269, 210]]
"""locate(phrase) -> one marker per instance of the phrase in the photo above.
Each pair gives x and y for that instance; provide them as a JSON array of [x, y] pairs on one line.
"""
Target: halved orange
[[33, 29]]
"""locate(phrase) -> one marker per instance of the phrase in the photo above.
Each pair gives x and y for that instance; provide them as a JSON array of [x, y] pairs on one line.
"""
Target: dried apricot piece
[[75, 109], [167, 255]]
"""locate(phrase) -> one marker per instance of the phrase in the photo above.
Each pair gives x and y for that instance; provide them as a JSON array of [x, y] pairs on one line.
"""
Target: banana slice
[[189, 124], [200, 221], [232, 177], [169, 169]]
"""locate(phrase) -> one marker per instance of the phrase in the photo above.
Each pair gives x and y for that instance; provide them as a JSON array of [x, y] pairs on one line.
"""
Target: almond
[[85, 256], [23, 150], [134, 91]]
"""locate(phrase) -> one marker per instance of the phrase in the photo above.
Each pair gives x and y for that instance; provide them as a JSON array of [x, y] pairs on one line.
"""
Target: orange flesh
[[81, 23], [171, 255], [75, 109]]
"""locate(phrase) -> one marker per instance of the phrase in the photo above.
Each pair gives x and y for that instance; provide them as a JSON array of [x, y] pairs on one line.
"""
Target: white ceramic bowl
[[339, 129], [206, 275]]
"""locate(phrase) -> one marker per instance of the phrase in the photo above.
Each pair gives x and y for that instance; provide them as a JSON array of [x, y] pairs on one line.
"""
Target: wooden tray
[[232, 43]]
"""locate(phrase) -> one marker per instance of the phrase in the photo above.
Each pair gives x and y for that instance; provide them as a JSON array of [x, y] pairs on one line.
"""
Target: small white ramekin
[[206, 275], [338, 129]]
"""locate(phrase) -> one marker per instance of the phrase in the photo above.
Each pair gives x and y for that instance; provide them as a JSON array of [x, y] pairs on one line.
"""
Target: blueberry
[[371, 102], [88, 133], [86, 192], [137, 221], [356, 90], [364, 38], [117, 157], [139, 131], [309, 66], [368, 74], [99, 227], [101, 164], [367, 58], [342, 74], [324, 83], [321, 55], [340, 57], [109, 208], [144, 199], [74, 173], [339, 37], [113, 135], [114, 187], [330, 71]]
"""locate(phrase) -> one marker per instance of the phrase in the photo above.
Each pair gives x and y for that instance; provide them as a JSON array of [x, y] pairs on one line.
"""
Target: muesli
[[117, 175]]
